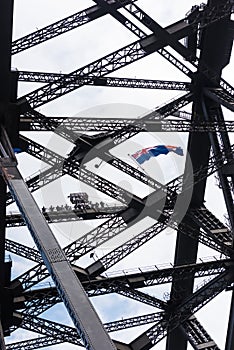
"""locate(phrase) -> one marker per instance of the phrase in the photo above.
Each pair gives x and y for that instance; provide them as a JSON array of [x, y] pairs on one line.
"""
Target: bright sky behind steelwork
[[65, 54]]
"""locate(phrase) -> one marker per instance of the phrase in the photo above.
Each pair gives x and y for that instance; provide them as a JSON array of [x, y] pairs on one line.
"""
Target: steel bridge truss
[[24, 298]]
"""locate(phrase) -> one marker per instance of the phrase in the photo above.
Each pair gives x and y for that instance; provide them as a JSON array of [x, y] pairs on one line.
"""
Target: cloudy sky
[[65, 54]]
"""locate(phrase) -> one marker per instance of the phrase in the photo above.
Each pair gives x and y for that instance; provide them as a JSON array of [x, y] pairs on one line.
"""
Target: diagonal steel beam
[[221, 97], [151, 182], [197, 335], [55, 172], [40, 300], [196, 62], [71, 291], [101, 67], [40, 77], [181, 313], [54, 330], [151, 24], [140, 278], [198, 177], [147, 21], [35, 343], [65, 126], [60, 27], [23, 251], [75, 250]]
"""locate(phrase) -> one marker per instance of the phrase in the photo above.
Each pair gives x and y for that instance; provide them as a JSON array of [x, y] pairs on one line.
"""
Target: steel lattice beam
[[60, 27], [183, 311], [206, 128], [108, 64], [65, 215], [55, 331], [197, 335], [108, 124], [40, 300], [138, 240], [107, 81]]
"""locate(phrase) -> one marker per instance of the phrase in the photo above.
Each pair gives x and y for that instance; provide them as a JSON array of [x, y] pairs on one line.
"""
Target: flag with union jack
[[154, 151]]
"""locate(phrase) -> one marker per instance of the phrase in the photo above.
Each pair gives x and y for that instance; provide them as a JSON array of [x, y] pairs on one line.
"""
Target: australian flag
[[146, 153]]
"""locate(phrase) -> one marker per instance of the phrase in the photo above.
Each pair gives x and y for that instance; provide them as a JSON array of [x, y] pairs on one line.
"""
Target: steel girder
[[133, 51], [216, 226], [140, 239], [183, 311], [6, 97], [60, 27], [94, 12], [15, 220], [167, 125], [106, 65], [157, 276], [107, 81], [54, 330], [197, 335], [200, 144]]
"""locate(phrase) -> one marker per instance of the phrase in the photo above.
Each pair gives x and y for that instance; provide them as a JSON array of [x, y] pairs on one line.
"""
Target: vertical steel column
[[6, 17], [2, 228], [213, 47], [6, 14], [230, 332], [2, 343], [222, 178]]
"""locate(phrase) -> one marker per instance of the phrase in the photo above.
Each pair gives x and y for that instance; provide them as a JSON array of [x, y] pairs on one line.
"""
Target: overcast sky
[[65, 54]]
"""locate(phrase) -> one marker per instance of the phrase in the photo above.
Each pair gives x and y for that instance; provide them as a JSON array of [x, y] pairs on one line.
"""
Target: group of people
[[57, 208], [77, 206]]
